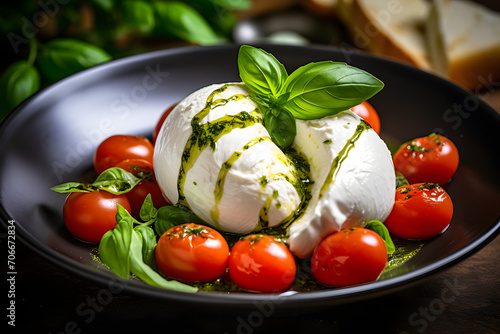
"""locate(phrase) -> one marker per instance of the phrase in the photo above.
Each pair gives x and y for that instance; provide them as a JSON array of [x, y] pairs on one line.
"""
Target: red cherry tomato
[[348, 257], [421, 211], [122, 147], [366, 111], [262, 263], [89, 215], [138, 194], [161, 121], [433, 158], [192, 252]]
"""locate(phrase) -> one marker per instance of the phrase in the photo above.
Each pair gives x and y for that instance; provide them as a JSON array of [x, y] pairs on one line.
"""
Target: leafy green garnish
[[379, 228], [114, 180], [312, 91], [125, 249]]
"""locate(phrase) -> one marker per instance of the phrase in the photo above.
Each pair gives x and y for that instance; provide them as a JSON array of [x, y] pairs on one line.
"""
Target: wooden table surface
[[462, 299]]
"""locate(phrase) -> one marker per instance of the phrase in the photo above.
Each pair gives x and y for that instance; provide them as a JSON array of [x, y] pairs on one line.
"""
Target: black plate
[[51, 139]]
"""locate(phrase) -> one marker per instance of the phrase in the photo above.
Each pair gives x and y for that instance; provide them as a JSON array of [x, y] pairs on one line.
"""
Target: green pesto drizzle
[[226, 166], [342, 156], [204, 135]]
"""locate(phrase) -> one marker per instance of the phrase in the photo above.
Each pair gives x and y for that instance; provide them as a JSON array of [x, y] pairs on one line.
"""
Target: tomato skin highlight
[[421, 211], [147, 186], [367, 112], [192, 252], [117, 148], [261, 263], [433, 158], [89, 215], [349, 257]]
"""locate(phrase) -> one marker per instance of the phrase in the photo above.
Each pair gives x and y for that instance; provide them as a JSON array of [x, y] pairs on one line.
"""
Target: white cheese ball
[[257, 190]]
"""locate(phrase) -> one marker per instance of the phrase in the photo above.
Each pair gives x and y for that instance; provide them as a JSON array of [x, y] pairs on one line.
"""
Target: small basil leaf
[[326, 88], [148, 211], [170, 216], [281, 127], [19, 81], [73, 187], [180, 20], [62, 57], [146, 273], [148, 244], [116, 181], [401, 180], [379, 228], [114, 248], [262, 73], [122, 213], [138, 15]]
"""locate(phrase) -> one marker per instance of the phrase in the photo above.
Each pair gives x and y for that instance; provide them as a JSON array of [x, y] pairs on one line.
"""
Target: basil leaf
[[148, 211], [262, 74], [122, 213], [148, 244], [116, 180], [62, 57], [379, 228], [73, 187], [138, 15], [281, 126], [19, 81], [401, 180], [146, 273], [326, 88], [114, 248], [180, 20], [170, 216]]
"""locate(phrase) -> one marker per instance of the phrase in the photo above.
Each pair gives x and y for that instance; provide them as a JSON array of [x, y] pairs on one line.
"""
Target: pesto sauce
[[205, 135], [342, 156]]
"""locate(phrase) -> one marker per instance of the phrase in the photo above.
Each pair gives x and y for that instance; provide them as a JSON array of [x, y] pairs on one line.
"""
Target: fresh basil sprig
[[114, 180], [312, 91], [379, 228], [125, 249]]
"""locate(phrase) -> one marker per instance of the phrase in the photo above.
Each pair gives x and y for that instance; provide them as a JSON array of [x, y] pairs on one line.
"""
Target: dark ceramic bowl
[[51, 139]]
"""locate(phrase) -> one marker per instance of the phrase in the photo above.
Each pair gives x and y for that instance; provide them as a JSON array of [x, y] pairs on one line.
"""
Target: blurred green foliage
[[52, 39]]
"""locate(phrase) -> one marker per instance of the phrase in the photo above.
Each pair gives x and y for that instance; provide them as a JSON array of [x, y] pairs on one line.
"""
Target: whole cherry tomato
[[148, 185], [89, 215], [421, 211], [433, 158], [122, 147], [366, 111], [192, 252], [348, 257], [161, 121], [262, 263]]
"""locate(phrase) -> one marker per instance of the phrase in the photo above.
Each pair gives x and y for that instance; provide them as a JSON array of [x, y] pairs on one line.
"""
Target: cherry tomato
[[192, 252], [147, 186], [348, 257], [122, 147], [262, 263], [89, 215], [366, 111], [421, 211], [433, 158], [161, 121]]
